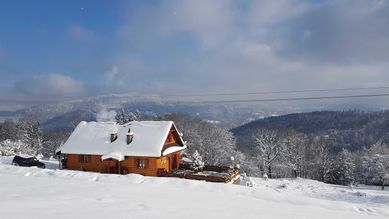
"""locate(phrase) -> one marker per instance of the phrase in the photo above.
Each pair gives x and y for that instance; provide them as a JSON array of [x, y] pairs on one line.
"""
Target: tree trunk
[[383, 185], [295, 173], [269, 171]]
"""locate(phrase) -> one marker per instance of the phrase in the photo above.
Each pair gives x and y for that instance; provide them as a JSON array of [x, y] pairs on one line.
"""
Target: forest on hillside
[[352, 130], [335, 147]]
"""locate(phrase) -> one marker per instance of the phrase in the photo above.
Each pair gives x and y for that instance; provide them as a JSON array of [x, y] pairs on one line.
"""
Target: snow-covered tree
[[343, 169], [376, 168], [197, 163], [294, 145], [215, 144], [268, 147], [31, 134], [320, 159], [52, 141], [125, 116], [375, 164], [8, 131], [379, 148], [11, 148]]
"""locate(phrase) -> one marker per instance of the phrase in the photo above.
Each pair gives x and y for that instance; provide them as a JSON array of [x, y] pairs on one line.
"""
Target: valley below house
[[29, 192]]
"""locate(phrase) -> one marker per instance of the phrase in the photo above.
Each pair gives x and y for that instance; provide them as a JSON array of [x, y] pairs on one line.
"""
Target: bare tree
[[294, 145], [342, 171], [215, 144], [8, 131], [31, 134], [377, 169], [269, 147], [376, 164]]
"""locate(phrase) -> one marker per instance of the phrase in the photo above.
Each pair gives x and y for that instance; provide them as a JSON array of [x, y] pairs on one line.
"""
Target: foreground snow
[[50, 193]]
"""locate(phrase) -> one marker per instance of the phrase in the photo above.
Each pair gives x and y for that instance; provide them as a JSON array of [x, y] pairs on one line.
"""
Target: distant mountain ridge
[[351, 129], [61, 114]]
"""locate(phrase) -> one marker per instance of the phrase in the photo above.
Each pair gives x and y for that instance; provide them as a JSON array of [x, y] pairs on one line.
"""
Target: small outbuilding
[[143, 147]]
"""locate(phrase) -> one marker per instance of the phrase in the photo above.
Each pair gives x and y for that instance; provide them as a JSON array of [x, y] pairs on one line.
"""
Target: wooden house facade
[[146, 148]]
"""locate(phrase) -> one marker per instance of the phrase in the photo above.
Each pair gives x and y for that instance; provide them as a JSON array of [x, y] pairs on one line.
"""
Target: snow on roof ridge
[[94, 138]]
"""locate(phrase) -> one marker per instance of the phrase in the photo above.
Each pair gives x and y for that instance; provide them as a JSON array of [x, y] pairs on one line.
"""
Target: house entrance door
[[174, 162], [112, 166]]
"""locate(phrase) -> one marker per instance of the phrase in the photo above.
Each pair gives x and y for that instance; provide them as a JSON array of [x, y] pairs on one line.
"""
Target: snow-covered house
[[145, 147]]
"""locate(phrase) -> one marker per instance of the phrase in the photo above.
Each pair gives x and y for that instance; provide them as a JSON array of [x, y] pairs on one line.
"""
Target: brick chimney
[[114, 136], [130, 137]]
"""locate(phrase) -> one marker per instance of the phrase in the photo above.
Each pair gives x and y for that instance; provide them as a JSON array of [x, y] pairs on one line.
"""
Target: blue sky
[[41, 37], [61, 49]]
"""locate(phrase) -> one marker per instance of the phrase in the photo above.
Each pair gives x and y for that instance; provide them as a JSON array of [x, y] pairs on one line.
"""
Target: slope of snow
[[51, 193]]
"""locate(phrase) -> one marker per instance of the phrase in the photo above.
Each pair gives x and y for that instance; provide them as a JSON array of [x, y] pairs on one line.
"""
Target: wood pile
[[209, 173]]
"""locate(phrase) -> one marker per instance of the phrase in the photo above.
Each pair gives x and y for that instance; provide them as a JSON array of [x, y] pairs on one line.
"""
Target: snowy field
[[51, 193]]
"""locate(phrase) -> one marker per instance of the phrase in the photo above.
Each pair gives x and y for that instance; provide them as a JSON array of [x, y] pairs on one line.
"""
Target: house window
[[84, 158], [142, 164], [164, 160]]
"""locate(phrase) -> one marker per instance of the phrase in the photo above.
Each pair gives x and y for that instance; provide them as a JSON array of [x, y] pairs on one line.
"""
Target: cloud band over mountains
[[184, 46]]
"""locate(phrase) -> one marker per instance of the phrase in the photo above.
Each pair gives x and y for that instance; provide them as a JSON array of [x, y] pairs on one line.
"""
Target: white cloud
[[212, 21], [205, 46], [50, 86], [264, 12], [128, 74], [63, 84], [253, 45]]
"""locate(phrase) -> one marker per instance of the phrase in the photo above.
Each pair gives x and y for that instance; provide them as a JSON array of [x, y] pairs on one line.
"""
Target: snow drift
[[53, 193]]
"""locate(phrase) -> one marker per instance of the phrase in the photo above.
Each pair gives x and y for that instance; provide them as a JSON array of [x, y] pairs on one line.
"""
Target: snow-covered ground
[[51, 193]]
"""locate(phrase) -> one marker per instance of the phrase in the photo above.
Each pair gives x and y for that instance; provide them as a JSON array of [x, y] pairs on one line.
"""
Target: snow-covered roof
[[172, 149], [113, 155], [95, 138]]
